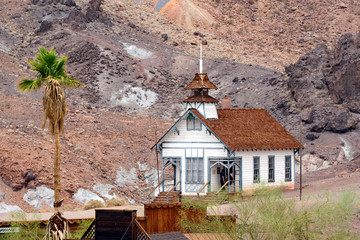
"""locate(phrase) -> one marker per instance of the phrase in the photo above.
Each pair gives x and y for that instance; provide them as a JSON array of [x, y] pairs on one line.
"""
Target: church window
[[287, 168], [256, 169], [193, 123], [194, 170]]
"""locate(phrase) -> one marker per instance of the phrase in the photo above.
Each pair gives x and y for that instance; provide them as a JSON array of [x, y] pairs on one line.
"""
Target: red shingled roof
[[200, 80], [246, 129], [199, 98]]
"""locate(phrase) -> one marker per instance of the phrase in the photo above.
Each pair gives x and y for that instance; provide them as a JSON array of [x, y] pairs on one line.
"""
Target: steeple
[[200, 86]]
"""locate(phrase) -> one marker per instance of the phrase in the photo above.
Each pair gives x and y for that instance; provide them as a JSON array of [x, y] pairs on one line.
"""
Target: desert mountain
[[136, 59]]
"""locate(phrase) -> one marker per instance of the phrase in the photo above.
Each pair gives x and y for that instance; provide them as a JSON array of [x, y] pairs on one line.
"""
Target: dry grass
[[115, 202], [93, 204]]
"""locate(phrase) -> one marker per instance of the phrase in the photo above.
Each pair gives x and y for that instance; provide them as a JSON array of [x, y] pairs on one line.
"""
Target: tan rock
[[342, 5], [342, 173]]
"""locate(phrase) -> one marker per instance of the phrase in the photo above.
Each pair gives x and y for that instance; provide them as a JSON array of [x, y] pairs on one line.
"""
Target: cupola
[[200, 98]]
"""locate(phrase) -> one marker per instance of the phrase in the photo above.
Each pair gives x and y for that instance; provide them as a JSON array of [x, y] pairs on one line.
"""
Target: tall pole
[[201, 61], [157, 159], [300, 159]]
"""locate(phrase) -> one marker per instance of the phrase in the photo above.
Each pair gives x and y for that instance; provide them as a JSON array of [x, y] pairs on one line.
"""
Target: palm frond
[[29, 84], [47, 57], [70, 82], [59, 68]]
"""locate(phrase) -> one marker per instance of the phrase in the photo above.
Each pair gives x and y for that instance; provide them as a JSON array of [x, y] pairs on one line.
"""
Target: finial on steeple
[[201, 67]]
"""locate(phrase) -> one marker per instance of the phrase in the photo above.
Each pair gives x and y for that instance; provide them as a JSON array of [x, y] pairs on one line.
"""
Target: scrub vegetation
[[35, 230], [268, 215]]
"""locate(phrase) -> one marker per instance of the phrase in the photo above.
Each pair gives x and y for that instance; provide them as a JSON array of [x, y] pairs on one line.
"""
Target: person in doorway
[[231, 178], [222, 177]]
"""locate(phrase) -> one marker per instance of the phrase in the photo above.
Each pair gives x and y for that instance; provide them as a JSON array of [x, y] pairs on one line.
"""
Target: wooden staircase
[[211, 197], [222, 196], [173, 197]]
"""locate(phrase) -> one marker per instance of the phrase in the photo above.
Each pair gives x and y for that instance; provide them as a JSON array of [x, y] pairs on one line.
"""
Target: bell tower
[[200, 98]]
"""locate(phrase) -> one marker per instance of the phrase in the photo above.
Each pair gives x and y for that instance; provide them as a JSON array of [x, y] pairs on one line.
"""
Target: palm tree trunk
[[57, 186]]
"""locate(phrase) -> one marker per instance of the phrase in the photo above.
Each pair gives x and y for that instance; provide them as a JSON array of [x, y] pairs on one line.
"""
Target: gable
[[180, 133]]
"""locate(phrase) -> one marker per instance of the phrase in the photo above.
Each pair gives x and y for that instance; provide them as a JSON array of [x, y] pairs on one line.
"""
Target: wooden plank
[[120, 228], [162, 218], [114, 224]]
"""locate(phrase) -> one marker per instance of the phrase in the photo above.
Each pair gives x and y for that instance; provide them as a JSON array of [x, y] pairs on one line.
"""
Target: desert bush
[[115, 202], [267, 215], [93, 204], [27, 230]]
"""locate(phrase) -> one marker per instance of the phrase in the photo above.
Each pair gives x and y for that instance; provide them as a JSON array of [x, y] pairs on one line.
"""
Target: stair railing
[[90, 232], [217, 192], [155, 189], [202, 188], [167, 195], [141, 234]]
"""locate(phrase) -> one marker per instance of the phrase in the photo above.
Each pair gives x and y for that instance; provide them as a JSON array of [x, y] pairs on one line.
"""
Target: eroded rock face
[[334, 119], [69, 3], [343, 75], [306, 77], [326, 85], [2, 196], [36, 197], [95, 12]]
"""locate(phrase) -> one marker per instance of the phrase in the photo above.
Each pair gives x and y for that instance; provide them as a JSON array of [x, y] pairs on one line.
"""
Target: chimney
[[226, 103]]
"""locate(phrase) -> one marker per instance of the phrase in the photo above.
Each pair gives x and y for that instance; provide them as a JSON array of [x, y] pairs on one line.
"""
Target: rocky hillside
[[135, 60]]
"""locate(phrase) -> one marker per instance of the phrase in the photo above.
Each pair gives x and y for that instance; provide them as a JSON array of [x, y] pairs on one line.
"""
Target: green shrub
[[27, 230], [93, 204], [81, 228], [115, 202], [267, 215]]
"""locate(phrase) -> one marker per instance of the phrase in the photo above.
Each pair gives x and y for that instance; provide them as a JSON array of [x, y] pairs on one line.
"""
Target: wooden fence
[[161, 218], [115, 224]]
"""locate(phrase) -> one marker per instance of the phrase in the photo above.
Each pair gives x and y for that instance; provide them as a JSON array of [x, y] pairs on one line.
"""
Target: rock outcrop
[[343, 73], [326, 84]]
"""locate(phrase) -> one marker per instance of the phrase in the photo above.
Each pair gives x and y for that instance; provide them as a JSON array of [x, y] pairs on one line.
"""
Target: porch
[[201, 177], [222, 175]]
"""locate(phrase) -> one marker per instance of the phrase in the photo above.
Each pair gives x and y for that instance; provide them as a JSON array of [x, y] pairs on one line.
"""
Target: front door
[[222, 170]]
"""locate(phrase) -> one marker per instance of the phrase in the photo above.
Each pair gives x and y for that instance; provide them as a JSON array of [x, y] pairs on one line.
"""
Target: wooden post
[[228, 170], [300, 160], [163, 177], [157, 158]]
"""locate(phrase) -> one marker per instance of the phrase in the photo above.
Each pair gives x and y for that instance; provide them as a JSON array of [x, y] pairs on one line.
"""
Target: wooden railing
[[155, 189], [140, 232], [90, 232], [217, 192], [202, 188], [167, 195]]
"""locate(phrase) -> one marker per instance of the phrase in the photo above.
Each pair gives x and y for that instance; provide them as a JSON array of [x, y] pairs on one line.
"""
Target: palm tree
[[51, 70]]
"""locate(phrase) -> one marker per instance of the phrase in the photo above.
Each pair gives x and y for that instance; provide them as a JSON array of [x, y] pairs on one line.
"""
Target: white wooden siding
[[279, 164], [210, 111], [202, 143], [193, 135], [197, 105]]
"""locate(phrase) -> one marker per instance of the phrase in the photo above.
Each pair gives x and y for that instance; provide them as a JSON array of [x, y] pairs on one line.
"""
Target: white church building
[[212, 146]]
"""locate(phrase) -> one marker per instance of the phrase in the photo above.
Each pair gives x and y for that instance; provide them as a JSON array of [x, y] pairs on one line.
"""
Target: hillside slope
[[135, 74]]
